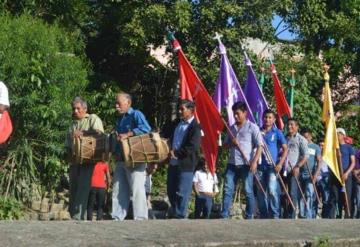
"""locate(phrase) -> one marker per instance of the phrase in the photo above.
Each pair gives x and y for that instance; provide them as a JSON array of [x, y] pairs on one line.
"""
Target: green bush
[[10, 209], [44, 68]]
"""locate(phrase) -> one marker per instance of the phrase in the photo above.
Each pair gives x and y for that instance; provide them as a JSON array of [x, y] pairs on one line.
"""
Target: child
[[98, 186], [205, 186]]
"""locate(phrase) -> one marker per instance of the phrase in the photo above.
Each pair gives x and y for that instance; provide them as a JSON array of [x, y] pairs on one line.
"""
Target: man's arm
[[195, 187], [318, 167], [142, 125], [108, 178], [283, 156], [257, 141], [304, 156], [350, 168], [254, 161], [96, 124]]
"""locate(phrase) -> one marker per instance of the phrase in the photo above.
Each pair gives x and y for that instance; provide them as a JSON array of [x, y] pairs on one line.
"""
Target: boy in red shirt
[[98, 186]]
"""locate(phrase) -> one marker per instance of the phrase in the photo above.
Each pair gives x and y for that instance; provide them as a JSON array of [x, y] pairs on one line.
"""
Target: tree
[[44, 68]]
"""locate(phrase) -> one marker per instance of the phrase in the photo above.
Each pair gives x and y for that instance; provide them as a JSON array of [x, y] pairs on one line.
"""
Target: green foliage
[[19, 175], [322, 241], [351, 123], [44, 68], [10, 209], [308, 88]]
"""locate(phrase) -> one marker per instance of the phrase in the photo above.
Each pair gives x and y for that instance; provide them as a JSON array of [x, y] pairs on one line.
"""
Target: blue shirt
[[179, 134], [346, 151], [274, 139], [249, 137], [132, 120], [314, 152]]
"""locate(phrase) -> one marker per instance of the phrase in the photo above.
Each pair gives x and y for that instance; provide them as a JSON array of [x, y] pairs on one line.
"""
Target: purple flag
[[254, 95], [228, 90]]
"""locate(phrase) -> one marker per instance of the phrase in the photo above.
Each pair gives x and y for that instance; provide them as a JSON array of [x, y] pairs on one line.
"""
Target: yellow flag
[[331, 138]]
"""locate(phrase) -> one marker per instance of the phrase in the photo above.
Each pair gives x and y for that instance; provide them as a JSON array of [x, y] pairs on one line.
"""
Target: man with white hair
[[128, 181]]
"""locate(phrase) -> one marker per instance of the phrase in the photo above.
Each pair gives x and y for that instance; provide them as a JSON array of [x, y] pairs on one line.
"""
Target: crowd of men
[[282, 176]]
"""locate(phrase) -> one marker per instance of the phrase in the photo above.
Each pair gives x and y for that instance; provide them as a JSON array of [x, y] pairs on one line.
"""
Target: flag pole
[[298, 184], [338, 154], [262, 77], [292, 85]]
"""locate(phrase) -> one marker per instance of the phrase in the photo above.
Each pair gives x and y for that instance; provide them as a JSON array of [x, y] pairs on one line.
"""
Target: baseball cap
[[341, 130]]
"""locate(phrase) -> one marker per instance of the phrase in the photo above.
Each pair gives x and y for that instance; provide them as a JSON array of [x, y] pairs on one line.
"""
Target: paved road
[[180, 233]]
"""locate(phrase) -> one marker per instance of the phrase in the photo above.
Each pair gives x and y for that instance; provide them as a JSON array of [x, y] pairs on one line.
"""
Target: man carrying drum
[[80, 174], [129, 180]]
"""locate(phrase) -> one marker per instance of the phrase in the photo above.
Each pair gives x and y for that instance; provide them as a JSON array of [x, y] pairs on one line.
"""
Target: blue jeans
[[179, 187], [293, 188], [308, 189], [269, 207], [203, 205], [232, 175], [323, 188]]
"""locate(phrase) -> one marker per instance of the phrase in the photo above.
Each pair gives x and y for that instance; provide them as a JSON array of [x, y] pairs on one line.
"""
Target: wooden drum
[[147, 148], [91, 148]]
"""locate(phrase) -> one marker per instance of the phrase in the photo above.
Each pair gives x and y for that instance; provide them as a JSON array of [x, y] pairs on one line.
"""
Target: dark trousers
[[203, 205], [356, 200], [179, 187], [323, 187], [337, 197], [96, 195]]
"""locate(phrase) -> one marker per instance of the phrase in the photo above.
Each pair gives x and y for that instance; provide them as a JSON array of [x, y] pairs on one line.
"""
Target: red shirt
[[99, 174]]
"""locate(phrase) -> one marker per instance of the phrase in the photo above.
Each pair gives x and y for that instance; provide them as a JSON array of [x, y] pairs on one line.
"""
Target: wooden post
[[292, 92]]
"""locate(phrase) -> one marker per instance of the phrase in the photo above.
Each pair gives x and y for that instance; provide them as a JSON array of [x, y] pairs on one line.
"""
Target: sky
[[286, 35]]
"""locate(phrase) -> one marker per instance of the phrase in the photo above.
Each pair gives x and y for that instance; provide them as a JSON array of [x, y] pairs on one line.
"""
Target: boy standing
[[98, 189], [242, 164]]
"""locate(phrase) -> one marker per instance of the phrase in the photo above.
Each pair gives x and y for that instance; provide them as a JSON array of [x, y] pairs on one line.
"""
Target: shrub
[[10, 209], [44, 68]]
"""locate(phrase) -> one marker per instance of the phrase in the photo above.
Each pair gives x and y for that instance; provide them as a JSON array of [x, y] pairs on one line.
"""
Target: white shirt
[[4, 94], [205, 181]]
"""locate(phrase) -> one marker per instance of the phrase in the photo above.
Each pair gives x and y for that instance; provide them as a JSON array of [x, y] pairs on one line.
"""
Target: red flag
[[5, 127], [206, 112], [282, 106]]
